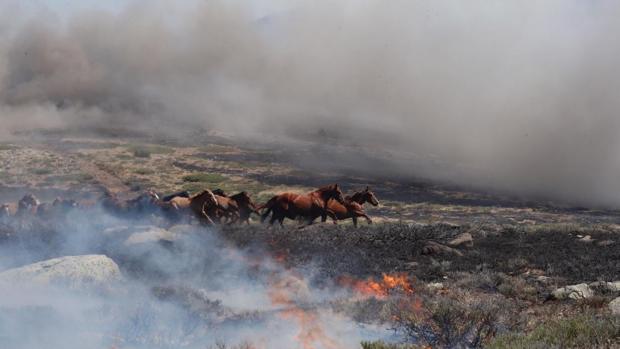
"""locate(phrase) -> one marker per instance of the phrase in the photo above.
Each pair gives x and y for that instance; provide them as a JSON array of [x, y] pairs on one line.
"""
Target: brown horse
[[353, 206], [226, 208], [246, 206], [308, 206], [244, 202], [198, 205]]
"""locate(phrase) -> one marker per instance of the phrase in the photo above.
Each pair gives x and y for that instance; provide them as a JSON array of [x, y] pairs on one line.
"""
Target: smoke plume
[[515, 96], [188, 288]]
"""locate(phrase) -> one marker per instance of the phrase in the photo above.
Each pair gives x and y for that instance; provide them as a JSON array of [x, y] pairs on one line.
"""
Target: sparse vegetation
[[204, 178], [145, 151], [486, 293], [582, 331], [144, 171], [5, 147], [42, 171]]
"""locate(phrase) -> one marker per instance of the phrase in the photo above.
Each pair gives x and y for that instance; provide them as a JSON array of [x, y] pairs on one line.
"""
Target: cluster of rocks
[[587, 291]]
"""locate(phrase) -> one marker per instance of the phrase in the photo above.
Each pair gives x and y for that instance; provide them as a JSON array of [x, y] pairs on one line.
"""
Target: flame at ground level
[[380, 289]]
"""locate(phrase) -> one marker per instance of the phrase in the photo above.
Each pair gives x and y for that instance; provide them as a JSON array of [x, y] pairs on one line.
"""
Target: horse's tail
[[269, 206]]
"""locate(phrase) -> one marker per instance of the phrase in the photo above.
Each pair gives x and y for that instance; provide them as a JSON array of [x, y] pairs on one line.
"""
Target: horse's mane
[[200, 193], [243, 193], [357, 195], [327, 187], [219, 192]]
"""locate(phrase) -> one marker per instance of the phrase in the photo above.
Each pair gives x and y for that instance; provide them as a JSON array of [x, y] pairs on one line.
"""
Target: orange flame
[[379, 289], [311, 333]]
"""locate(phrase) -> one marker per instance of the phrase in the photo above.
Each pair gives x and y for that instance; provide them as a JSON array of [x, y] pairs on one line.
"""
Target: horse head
[[332, 192], [369, 196]]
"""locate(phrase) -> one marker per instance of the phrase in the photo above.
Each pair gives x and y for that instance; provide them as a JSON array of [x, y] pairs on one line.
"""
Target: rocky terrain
[[442, 266]]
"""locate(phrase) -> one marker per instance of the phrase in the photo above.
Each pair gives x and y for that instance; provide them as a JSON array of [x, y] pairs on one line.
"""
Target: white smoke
[[193, 291], [509, 95]]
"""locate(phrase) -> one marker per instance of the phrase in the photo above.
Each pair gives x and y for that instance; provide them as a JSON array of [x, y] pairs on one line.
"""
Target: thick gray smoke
[[185, 289], [510, 95]]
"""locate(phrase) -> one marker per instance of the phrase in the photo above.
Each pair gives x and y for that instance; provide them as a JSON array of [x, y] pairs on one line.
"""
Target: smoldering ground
[[185, 289], [514, 96]]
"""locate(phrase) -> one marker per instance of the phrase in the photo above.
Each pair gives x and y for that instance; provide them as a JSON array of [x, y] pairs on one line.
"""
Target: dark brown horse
[[246, 206], [353, 206], [308, 206], [226, 208], [244, 202], [197, 205]]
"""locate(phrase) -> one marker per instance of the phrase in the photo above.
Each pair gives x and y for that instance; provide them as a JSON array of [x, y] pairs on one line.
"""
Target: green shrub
[[204, 178], [144, 171], [141, 153], [583, 331], [42, 171], [145, 151]]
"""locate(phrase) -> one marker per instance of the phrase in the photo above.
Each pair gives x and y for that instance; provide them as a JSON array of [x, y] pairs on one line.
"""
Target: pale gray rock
[[75, 272], [579, 291]]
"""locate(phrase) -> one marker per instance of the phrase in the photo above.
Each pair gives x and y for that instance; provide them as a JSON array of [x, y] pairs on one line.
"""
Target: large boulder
[[150, 235], [579, 291], [75, 272]]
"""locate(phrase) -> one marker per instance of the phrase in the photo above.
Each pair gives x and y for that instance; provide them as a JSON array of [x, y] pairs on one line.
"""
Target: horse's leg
[[311, 219], [205, 219], [354, 218], [264, 216], [333, 216], [233, 218], [367, 218]]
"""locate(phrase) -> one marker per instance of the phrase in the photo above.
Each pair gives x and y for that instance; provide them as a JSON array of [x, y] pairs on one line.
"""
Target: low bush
[[583, 331]]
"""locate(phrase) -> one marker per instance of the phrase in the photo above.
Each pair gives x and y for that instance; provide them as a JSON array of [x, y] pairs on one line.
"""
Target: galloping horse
[[184, 194], [309, 206], [146, 203], [244, 203], [246, 206], [352, 207], [198, 204], [226, 207]]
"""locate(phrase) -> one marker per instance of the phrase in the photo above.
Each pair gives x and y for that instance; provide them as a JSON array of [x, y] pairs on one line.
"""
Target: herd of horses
[[211, 207]]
